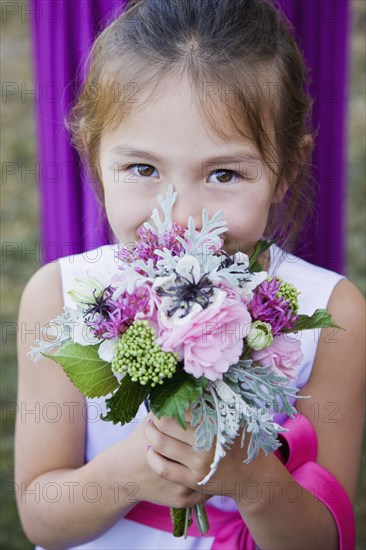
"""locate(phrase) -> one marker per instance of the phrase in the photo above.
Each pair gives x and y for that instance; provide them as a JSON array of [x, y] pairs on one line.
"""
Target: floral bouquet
[[182, 325]]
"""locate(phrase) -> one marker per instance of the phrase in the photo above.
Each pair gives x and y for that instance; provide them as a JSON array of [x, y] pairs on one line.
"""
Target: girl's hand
[[152, 486], [173, 458]]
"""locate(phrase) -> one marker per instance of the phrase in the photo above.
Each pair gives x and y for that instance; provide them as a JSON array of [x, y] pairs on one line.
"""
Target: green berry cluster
[[138, 354], [288, 292]]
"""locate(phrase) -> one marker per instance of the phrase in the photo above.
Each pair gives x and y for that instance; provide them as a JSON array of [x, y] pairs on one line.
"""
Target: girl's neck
[[265, 260]]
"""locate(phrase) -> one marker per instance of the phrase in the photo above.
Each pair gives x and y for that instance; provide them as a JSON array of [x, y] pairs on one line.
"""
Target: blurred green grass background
[[20, 224]]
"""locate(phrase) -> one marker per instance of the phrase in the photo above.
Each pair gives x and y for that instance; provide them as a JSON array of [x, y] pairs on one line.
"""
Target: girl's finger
[[166, 469], [170, 426], [169, 447]]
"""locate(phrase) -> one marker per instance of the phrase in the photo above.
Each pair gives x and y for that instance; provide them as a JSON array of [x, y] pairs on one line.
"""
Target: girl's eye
[[227, 176], [145, 170]]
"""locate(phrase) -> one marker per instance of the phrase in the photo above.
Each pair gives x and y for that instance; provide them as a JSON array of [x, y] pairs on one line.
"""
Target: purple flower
[[149, 241], [272, 308], [109, 318]]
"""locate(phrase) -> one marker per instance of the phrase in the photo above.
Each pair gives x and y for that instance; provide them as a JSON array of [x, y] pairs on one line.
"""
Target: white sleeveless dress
[[315, 284]]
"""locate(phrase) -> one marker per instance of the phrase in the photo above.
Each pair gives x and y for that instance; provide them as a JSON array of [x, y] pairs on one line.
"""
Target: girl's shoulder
[[43, 290]]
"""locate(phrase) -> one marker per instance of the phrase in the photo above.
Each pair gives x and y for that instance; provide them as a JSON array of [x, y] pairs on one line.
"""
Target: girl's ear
[[280, 191], [305, 150]]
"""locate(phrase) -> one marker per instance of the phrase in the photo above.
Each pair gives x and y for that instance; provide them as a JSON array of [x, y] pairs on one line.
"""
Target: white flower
[[163, 281], [83, 290], [190, 270], [106, 350], [260, 335], [188, 267], [175, 320]]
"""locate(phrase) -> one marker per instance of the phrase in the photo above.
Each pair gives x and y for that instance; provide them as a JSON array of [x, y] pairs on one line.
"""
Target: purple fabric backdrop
[[62, 32]]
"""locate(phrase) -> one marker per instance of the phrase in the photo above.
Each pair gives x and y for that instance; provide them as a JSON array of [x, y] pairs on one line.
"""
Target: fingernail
[[148, 447], [149, 421]]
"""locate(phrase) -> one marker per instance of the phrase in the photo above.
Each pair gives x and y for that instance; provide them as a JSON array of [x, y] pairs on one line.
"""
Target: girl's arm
[[52, 491], [336, 410], [277, 510], [62, 501]]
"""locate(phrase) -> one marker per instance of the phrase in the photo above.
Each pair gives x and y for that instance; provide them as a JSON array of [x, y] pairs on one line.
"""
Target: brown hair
[[240, 56]]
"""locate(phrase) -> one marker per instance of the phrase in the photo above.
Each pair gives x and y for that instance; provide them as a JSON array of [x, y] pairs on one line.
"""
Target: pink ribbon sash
[[228, 528], [298, 454], [301, 447]]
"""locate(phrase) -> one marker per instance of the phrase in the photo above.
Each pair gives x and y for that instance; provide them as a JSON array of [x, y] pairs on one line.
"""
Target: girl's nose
[[187, 205]]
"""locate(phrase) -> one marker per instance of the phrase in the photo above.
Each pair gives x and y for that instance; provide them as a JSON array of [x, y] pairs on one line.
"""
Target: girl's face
[[167, 142]]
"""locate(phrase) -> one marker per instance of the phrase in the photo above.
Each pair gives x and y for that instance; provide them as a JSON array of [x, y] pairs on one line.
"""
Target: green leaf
[[86, 370], [125, 403], [260, 247], [176, 394], [319, 319]]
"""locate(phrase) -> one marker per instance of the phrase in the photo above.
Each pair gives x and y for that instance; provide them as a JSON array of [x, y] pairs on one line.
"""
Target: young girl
[[208, 96]]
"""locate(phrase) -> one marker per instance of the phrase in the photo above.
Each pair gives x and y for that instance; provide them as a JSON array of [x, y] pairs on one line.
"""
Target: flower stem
[[201, 518], [181, 521], [188, 521]]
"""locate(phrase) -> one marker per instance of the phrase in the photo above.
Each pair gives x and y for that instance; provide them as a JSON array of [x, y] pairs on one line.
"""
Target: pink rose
[[234, 292], [283, 355], [211, 341]]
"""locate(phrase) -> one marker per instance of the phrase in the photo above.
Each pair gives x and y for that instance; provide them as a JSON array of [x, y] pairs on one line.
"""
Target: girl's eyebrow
[[239, 156]]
